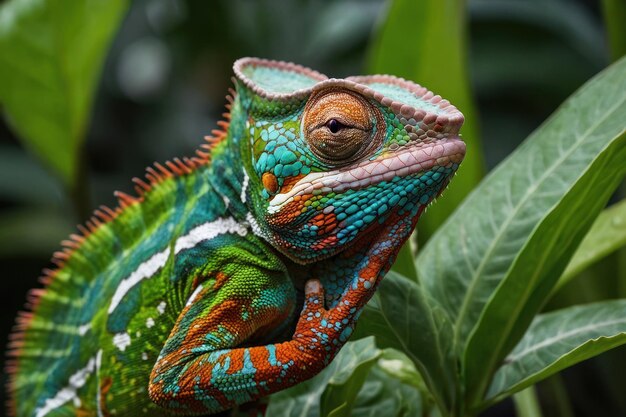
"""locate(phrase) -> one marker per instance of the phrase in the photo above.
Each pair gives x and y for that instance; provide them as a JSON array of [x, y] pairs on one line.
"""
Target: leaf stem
[[526, 403]]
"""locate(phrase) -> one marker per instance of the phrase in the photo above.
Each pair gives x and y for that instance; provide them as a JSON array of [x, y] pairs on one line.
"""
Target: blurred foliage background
[[507, 64]]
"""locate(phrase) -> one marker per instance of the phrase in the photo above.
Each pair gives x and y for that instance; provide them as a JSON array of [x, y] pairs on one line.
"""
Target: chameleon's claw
[[313, 286], [313, 300]]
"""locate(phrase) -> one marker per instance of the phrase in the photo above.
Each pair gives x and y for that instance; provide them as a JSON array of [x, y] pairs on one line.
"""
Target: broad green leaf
[[51, 52], [558, 340], [517, 230], [304, 399], [397, 365], [401, 317], [382, 395], [425, 41], [607, 234], [338, 398], [582, 148]]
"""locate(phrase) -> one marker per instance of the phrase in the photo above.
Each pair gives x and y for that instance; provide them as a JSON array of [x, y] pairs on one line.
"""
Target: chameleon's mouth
[[408, 160]]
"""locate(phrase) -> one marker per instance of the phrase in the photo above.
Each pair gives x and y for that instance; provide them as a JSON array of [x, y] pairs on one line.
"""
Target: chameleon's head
[[334, 159]]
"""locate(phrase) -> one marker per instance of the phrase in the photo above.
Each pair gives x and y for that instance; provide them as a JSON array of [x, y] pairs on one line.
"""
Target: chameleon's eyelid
[[267, 78], [345, 124], [409, 100]]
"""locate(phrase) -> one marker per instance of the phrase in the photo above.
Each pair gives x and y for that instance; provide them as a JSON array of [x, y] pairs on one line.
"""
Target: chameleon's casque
[[241, 271]]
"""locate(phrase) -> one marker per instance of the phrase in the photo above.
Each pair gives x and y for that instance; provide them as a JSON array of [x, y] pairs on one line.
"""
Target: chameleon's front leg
[[352, 277], [210, 372], [204, 372]]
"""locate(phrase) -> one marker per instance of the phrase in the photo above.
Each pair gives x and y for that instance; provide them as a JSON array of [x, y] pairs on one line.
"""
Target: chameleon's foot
[[321, 332]]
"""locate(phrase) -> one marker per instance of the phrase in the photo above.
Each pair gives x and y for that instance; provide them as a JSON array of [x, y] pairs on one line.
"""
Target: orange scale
[[220, 279], [326, 242], [289, 182], [369, 271], [105, 387], [236, 361], [259, 357], [329, 228]]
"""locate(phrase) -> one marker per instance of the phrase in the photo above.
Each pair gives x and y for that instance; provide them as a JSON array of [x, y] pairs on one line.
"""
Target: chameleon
[[240, 271]]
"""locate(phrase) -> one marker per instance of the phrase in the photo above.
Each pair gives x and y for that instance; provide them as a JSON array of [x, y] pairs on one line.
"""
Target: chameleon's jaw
[[408, 160]]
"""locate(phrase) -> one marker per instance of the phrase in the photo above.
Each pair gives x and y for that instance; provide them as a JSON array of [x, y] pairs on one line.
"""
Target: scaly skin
[[240, 273]]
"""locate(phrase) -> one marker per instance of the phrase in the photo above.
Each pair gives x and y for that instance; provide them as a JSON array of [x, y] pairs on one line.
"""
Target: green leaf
[[397, 365], [382, 395], [338, 398], [345, 374], [586, 139], [607, 234], [401, 317], [425, 41], [51, 53], [500, 254], [558, 340]]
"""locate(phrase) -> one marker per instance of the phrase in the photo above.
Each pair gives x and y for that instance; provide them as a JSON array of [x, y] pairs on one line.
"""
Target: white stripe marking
[[194, 295], [100, 399], [208, 231], [205, 231], [244, 187], [256, 229], [69, 393], [145, 270], [161, 307], [121, 341], [84, 328]]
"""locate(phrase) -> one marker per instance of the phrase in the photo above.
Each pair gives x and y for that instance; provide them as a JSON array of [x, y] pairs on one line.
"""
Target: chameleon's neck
[[228, 172]]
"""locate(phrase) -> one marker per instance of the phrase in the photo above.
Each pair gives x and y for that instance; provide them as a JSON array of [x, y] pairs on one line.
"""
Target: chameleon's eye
[[339, 125], [333, 125]]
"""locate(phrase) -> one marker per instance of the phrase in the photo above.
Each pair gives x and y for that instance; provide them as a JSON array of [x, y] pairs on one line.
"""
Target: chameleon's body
[[204, 292]]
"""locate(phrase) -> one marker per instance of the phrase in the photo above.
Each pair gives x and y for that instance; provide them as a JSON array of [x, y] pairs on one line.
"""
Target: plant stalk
[[526, 403]]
